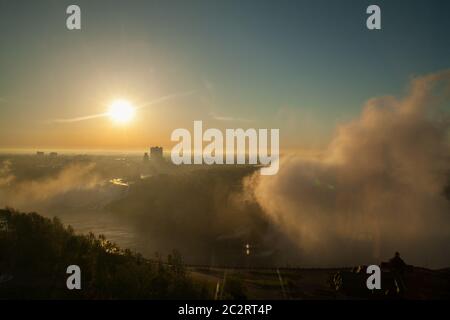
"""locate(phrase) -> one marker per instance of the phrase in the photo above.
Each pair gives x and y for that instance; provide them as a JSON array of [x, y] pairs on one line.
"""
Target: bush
[[36, 252]]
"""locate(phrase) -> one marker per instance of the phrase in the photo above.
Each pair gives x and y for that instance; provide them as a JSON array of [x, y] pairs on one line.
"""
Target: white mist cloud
[[6, 177], [27, 193], [377, 189]]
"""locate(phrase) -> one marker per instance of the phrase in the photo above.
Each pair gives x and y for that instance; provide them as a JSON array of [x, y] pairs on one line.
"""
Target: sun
[[121, 111]]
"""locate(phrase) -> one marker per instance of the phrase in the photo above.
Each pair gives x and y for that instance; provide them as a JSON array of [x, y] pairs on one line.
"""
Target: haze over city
[[86, 119]]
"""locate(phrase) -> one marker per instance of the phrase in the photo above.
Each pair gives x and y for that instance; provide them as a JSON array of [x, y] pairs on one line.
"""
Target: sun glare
[[121, 111]]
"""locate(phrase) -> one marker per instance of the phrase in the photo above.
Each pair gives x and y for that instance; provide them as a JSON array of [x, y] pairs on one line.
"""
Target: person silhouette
[[398, 267], [397, 264]]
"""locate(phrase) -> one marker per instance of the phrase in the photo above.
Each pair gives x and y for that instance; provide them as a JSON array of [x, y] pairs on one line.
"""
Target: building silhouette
[[156, 153]]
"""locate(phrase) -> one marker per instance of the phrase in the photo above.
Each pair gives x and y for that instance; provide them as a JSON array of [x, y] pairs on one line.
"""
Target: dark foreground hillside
[[35, 253]]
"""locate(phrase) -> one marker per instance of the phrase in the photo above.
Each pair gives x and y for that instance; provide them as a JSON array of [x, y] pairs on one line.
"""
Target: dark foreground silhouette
[[36, 251]]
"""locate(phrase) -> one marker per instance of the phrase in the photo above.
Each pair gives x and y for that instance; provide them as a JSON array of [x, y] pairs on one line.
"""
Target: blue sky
[[244, 59]]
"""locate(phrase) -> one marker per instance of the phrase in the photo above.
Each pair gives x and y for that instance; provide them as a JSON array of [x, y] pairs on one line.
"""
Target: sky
[[300, 66]]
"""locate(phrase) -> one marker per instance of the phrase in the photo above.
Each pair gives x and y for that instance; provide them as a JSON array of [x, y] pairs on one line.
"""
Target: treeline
[[36, 251]]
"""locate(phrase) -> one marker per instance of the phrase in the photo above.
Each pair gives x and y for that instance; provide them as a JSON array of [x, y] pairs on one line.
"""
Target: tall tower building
[[156, 153]]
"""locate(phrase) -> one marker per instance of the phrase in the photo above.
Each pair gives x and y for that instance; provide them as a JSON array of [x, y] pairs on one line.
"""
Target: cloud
[[25, 194], [211, 101], [227, 118], [78, 119], [144, 105], [377, 188], [6, 177]]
